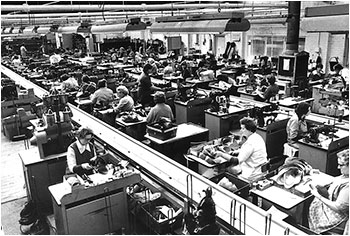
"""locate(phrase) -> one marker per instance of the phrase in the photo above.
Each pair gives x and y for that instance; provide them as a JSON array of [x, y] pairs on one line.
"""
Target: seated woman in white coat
[[252, 155]]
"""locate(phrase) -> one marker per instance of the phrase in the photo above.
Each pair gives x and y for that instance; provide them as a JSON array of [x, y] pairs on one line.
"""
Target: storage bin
[[162, 134], [147, 215], [210, 171], [242, 186]]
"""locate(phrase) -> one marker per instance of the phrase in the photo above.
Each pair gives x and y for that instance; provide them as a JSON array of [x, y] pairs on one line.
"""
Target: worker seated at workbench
[[160, 110], [249, 159], [329, 211], [271, 92], [103, 96], [81, 153], [229, 84], [317, 75], [87, 88], [126, 103], [337, 79]]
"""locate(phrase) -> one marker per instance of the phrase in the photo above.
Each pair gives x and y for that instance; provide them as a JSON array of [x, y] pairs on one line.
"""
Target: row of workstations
[[196, 110], [219, 124], [176, 179]]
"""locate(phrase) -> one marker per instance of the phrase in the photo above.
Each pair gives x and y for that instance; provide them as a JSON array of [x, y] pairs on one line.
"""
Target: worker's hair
[[101, 83], [83, 132], [248, 123], [222, 77], [319, 65], [85, 78], [343, 156], [271, 79], [302, 109], [338, 67], [64, 77], [147, 67], [123, 89], [159, 97]]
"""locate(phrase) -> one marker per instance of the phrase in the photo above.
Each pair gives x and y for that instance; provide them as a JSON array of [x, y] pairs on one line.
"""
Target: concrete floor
[[12, 177], [13, 192]]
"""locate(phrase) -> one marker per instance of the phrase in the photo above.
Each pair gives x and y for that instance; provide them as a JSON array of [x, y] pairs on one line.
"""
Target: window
[[258, 47], [271, 46]]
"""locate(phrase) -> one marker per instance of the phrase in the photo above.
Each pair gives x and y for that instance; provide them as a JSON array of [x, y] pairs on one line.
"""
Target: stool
[[289, 150]]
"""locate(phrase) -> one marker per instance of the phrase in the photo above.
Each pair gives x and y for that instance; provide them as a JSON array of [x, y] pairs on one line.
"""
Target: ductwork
[[8, 30], [73, 29], [43, 30], [201, 26], [267, 21], [68, 29], [30, 30]]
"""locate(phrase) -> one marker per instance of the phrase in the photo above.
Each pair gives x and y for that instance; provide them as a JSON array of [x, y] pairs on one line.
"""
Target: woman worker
[[185, 72], [160, 109], [251, 156], [145, 87], [296, 126], [329, 211], [81, 153], [126, 103], [271, 91], [103, 95]]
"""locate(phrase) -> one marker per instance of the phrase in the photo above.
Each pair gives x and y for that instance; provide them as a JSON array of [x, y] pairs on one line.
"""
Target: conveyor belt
[[248, 218]]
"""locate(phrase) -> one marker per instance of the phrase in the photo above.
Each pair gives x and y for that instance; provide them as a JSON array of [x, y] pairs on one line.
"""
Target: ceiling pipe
[[120, 7], [248, 10], [272, 19], [43, 18], [268, 21]]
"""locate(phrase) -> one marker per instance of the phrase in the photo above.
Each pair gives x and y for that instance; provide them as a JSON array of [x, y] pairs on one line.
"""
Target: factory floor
[[13, 191]]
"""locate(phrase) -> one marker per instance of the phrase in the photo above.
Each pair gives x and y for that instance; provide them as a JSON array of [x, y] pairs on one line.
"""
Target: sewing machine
[[314, 132], [186, 91], [52, 131], [259, 113], [220, 101]]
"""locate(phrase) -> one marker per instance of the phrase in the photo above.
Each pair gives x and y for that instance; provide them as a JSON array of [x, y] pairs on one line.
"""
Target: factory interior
[[175, 117]]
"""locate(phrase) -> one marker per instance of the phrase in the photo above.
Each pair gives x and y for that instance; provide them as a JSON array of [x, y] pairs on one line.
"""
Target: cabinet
[[324, 158], [293, 67], [220, 124], [274, 135], [100, 216], [39, 174], [96, 210], [191, 111]]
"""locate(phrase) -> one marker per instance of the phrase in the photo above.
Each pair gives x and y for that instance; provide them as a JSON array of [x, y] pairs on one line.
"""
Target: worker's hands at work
[[319, 191], [93, 159], [86, 166], [231, 157], [314, 191]]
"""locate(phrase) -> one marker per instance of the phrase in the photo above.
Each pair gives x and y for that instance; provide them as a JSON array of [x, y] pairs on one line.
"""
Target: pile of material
[[292, 172], [130, 117], [226, 183]]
